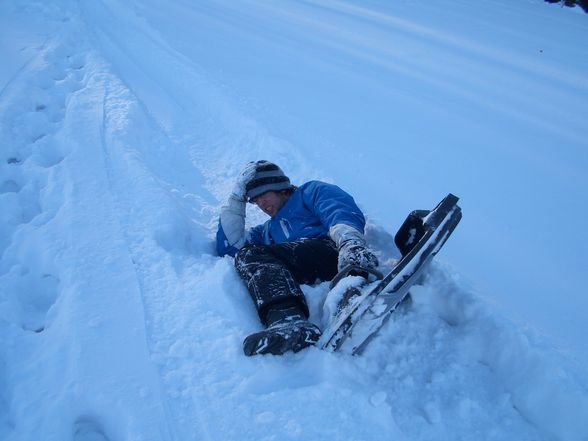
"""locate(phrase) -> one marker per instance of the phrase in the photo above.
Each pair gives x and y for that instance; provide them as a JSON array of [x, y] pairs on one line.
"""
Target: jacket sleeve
[[223, 247], [231, 235], [333, 206]]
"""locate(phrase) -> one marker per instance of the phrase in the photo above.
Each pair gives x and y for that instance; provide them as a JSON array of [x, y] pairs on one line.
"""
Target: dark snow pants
[[273, 272]]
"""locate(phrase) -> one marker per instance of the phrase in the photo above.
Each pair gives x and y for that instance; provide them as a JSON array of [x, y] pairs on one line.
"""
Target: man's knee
[[250, 254]]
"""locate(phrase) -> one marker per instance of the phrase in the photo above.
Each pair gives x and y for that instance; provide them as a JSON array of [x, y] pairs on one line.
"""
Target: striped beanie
[[268, 177]]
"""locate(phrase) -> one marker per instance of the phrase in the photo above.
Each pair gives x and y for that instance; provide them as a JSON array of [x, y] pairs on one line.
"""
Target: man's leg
[[272, 274], [309, 260]]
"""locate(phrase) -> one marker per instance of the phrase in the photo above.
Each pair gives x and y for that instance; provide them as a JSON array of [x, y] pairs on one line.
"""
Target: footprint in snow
[[88, 430], [9, 186], [31, 296]]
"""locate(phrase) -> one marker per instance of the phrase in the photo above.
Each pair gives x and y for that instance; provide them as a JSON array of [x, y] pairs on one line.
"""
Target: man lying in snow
[[314, 231]]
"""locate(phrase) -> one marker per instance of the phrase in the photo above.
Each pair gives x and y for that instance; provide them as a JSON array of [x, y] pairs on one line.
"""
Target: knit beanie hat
[[268, 177]]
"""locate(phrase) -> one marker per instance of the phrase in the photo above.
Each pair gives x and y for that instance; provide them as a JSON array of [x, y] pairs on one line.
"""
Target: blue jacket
[[309, 213]]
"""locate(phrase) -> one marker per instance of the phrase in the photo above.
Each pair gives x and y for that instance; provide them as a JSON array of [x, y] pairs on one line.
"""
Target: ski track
[[48, 283], [32, 197], [444, 377]]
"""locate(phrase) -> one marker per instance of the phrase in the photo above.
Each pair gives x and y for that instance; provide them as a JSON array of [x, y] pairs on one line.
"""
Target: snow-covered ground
[[122, 125]]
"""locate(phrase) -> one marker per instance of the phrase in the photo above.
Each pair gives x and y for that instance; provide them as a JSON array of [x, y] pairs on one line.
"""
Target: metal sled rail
[[438, 224]]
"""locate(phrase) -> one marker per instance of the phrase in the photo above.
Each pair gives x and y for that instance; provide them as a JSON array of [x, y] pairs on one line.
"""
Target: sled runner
[[363, 312]]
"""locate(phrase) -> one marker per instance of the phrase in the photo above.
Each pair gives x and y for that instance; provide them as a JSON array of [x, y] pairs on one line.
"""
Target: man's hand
[[354, 253], [240, 190], [352, 247]]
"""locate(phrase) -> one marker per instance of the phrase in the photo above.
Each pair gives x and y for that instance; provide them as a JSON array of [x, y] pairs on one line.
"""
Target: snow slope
[[122, 125]]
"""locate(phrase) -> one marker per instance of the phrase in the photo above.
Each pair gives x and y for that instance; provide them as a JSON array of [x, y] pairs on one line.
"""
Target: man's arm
[[332, 205], [340, 214], [231, 236]]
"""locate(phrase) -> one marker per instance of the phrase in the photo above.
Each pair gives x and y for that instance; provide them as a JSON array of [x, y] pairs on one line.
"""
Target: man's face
[[270, 202]]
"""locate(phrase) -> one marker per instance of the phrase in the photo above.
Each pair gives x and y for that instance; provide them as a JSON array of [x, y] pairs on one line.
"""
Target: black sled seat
[[411, 231]]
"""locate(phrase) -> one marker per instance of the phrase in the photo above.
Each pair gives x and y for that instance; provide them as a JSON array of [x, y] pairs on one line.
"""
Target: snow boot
[[288, 330]]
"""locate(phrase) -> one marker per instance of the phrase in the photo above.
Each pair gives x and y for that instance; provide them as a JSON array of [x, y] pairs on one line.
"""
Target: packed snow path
[[118, 321]]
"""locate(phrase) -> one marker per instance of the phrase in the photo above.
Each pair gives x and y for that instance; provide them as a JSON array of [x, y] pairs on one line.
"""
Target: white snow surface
[[122, 127]]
